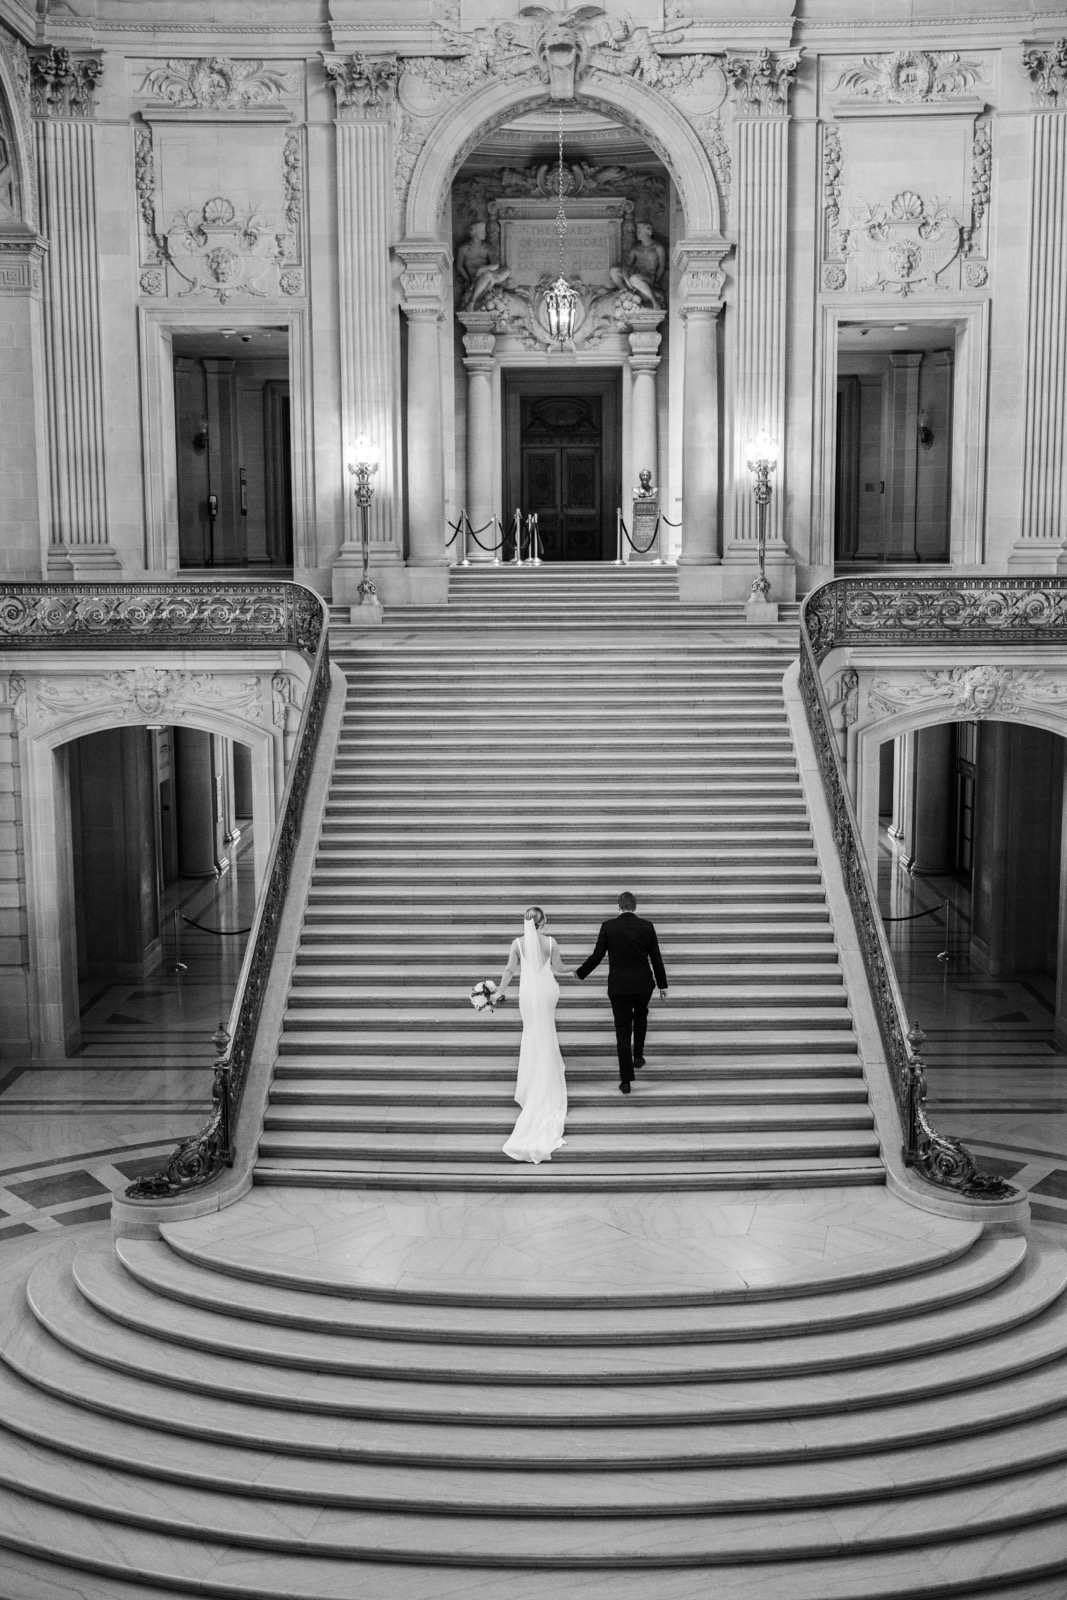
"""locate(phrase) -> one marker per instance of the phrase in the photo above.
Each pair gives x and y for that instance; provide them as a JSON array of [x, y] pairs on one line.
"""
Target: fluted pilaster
[[1043, 542], [370, 356], [77, 455], [759, 395]]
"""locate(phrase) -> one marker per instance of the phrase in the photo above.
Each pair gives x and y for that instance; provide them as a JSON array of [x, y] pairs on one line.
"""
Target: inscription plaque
[[531, 249]]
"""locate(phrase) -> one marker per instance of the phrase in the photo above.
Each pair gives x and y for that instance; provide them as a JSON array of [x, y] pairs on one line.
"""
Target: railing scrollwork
[[896, 611]]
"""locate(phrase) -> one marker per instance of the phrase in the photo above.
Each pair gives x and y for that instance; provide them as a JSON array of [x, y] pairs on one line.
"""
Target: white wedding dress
[[541, 1087]]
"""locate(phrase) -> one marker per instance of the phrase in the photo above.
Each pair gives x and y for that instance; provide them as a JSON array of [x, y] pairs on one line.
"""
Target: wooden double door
[[561, 459]]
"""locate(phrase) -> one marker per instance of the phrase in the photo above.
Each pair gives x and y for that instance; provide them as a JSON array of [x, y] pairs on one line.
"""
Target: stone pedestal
[[644, 520], [644, 363]]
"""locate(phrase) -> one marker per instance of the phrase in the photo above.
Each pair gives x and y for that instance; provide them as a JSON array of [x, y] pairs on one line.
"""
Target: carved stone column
[[370, 345], [23, 472], [63, 108], [644, 363], [701, 288], [479, 342], [424, 283], [761, 86], [1042, 546]]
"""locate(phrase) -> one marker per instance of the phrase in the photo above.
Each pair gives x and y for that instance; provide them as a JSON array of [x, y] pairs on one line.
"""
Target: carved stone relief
[[835, 238], [219, 253], [15, 697], [981, 171], [10, 198], [972, 692], [216, 83], [910, 77], [561, 50], [156, 692], [62, 85], [1048, 73], [209, 247], [905, 246]]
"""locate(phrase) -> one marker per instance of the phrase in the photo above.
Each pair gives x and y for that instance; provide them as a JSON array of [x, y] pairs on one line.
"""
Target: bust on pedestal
[[644, 526]]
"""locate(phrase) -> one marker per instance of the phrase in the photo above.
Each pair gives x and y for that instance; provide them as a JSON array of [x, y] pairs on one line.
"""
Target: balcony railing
[[968, 611], [200, 616]]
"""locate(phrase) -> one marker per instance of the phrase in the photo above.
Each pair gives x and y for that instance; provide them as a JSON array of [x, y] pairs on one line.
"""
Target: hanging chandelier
[[561, 301]]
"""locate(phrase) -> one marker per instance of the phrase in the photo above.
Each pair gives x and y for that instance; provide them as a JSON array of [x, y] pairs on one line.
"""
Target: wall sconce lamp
[[363, 458], [199, 440], [762, 455], [926, 435]]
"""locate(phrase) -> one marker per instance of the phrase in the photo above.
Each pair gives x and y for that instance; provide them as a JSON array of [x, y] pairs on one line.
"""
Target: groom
[[632, 949]]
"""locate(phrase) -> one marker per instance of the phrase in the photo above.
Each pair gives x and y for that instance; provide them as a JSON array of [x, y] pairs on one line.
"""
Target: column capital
[[62, 85], [699, 262], [761, 82], [424, 280], [22, 253], [479, 341], [1048, 74], [364, 86]]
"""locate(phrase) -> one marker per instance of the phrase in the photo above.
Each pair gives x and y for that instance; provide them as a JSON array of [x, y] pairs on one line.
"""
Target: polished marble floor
[[71, 1134], [995, 1077]]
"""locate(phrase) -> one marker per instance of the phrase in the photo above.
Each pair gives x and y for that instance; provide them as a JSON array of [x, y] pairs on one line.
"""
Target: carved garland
[[910, 77], [216, 83]]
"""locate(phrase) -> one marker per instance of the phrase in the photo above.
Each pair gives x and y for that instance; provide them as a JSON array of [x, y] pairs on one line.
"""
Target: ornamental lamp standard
[[561, 302], [762, 457], [363, 458]]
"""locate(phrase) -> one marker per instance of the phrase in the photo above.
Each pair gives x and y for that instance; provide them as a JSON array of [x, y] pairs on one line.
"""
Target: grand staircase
[[553, 738], [704, 1352]]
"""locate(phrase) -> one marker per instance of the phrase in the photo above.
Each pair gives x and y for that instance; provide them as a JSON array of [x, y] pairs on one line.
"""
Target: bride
[[541, 1088]]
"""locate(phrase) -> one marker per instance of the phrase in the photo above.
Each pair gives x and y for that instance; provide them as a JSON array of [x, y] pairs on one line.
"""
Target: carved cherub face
[[644, 232], [478, 231]]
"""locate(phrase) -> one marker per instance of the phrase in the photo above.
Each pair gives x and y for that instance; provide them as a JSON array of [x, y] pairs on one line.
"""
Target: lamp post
[[762, 460], [363, 459]]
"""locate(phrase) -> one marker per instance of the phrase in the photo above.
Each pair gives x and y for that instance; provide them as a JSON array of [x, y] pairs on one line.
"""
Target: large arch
[[644, 109], [46, 833]]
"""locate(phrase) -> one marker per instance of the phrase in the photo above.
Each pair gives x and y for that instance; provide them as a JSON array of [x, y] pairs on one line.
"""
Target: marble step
[[582, 1067], [580, 1150], [392, 1091], [653, 1397], [629, 1176], [368, 710], [976, 1266], [668, 858], [341, 964], [421, 1001], [1022, 1399], [781, 929], [609, 1120], [103, 1282], [298, 1038], [435, 733], [582, 903]]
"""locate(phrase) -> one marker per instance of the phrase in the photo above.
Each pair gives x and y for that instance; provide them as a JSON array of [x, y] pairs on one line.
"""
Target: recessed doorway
[[562, 437], [234, 449], [893, 443]]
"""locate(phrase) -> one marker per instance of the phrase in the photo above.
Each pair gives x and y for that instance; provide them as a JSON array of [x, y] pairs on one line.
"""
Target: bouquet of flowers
[[483, 996]]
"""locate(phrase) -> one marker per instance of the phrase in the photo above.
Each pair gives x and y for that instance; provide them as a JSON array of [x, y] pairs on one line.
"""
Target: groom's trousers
[[631, 1025]]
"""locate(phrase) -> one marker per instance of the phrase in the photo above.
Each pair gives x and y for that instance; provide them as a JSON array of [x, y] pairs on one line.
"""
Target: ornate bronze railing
[[909, 611], [223, 616]]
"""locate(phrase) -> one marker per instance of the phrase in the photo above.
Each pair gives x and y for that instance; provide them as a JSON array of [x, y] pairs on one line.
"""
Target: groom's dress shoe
[[639, 1061], [624, 1088]]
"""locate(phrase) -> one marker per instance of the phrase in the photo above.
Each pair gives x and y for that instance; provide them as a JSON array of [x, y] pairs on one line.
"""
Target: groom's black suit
[[632, 949]]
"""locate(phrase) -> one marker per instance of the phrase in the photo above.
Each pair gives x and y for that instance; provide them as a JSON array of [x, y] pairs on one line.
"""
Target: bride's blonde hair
[[536, 913]]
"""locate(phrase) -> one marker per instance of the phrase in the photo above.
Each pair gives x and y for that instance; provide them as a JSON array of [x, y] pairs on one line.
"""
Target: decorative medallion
[[910, 77], [904, 247], [216, 83]]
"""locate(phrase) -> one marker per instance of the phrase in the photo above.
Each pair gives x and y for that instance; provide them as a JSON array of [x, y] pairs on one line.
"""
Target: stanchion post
[[618, 536], [518, 537], [657, 559], [179, 964], [531, 529], [464, 524], [499, 547]]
